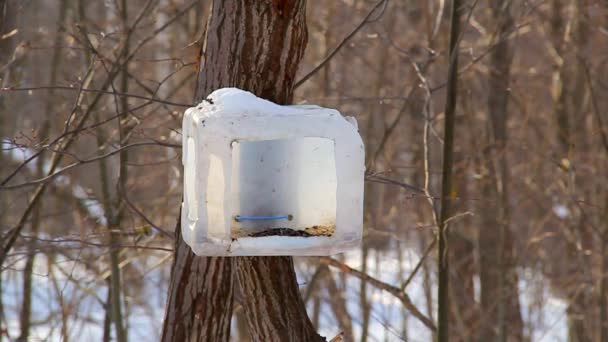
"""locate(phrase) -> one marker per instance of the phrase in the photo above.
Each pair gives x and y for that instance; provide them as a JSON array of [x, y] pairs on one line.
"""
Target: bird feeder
[[265, 179]]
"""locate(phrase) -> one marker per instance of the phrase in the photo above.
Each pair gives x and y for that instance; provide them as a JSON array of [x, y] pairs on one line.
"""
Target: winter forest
[[485, 125]]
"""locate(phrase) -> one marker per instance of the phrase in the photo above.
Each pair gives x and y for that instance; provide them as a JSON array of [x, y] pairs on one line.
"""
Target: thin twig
[[384, 180], [427, 251], [418, 265], [365, 21], [75, 131], [163, 231], [395, 291], [105, 92], [50, 176]]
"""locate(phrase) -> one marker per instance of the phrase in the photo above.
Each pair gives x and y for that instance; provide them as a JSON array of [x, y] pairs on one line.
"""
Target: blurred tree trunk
[[558, 31], [581, 317], [316, 310], [374, 200], [337, 299], [603, 300], [363, 301], [124, 131], [401, 275], [500, 307], [338, 305], [583, 140], [25, 318], [567, 97], [463, 312], [64, 307], [445, 211], [255, 46], [101, 139], [8, 11]]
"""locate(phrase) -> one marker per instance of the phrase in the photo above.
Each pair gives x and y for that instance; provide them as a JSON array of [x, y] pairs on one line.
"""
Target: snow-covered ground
[[145, 321]]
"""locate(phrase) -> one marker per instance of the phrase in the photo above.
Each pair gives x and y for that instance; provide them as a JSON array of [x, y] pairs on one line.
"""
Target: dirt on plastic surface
[[307, 232]]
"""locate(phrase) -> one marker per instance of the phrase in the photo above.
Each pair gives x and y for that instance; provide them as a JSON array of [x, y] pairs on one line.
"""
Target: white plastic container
[[265, 179]]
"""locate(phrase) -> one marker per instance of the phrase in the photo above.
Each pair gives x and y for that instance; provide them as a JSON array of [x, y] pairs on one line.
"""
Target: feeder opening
[[284, 187]]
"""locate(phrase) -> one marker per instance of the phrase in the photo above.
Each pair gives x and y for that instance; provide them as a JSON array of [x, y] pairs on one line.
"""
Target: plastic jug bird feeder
[[265, 179]]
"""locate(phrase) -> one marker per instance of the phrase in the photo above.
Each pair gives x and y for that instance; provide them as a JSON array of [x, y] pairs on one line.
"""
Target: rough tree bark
[[256, 46]]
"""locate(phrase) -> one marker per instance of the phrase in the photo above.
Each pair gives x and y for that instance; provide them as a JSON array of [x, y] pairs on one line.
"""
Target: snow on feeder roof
[[265, 179]]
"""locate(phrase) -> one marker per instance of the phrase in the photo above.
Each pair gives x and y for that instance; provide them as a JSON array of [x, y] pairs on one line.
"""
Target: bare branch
[[395, 291], [365, 21], [163, 231], [76, 164], [105, 92]]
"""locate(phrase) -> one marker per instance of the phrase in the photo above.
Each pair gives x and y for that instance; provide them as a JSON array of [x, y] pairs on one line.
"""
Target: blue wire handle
[[263, 218]]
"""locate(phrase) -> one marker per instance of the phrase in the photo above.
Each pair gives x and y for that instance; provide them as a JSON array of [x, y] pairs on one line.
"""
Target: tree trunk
[[255, 46], [567, 96], [25, 317], [500, 307], [558, 30], [603, 300], [338, 306], [199, 304], [443, 265], [271, 299]]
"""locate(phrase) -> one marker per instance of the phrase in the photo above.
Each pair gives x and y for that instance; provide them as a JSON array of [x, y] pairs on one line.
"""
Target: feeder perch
[[265, 179]]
